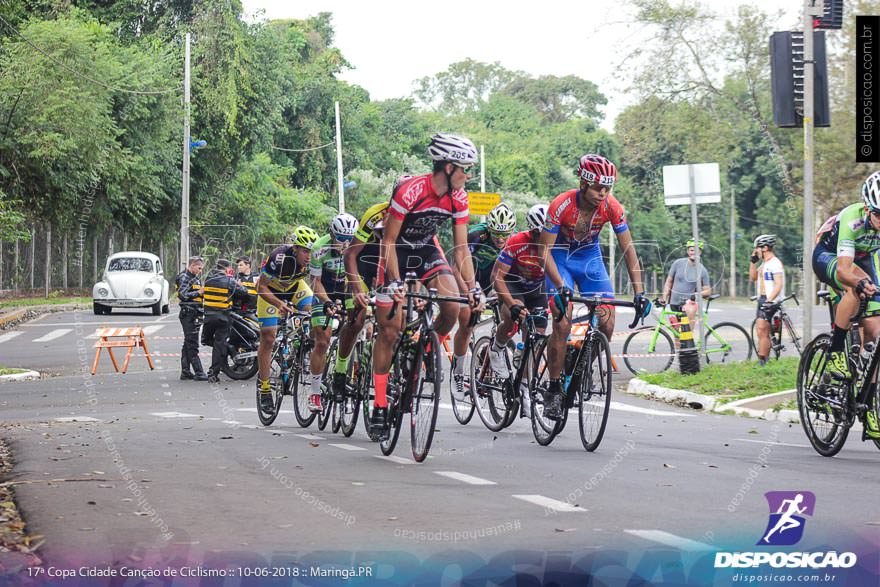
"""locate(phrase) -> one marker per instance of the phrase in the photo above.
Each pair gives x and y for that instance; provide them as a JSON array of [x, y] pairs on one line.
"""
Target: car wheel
[[165, 309], [97, 308], [157, 308], [107, 310]]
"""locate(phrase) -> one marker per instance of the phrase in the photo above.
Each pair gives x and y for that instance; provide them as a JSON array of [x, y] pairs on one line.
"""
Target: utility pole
[[339, 162], [184, 199], [811, 10], [732, 244], [482, 169]]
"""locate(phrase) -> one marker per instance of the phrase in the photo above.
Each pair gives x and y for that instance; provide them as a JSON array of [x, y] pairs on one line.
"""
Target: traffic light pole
[[811, 11], [184, 195]]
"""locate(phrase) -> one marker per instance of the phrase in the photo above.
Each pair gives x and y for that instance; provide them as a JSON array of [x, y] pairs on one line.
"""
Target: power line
[[301, 150], [81, 75]]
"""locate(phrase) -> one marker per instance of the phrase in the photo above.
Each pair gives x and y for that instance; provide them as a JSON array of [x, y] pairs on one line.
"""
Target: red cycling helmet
[[597, 169]]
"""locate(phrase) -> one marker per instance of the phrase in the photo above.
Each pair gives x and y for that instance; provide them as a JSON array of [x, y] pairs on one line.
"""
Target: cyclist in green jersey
[[847, 257], [485, 242], [328, 283]]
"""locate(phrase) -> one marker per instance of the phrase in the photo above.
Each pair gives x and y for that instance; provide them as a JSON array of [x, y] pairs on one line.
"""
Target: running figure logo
[[786, 524]]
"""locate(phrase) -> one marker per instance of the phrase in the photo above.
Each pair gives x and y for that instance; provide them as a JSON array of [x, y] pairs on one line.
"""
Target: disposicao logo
[[787, 511], [786, 528]]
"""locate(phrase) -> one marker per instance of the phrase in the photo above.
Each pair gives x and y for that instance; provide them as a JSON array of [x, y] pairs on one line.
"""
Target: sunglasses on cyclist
[[343, 238], [494, 234], [467, 168], [875, 213]]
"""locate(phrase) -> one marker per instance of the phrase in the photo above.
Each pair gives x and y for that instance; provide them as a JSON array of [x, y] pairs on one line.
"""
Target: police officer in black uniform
[[221, 292], [189, 291], [248, 280]]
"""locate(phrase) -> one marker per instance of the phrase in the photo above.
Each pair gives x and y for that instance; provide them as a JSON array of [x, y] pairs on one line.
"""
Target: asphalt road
[[122, 467]]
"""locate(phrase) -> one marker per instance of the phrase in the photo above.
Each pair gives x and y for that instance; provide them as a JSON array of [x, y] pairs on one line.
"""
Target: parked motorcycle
[[244, 338]]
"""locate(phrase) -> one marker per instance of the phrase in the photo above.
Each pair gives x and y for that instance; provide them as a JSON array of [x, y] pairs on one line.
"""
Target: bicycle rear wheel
[[822, 422], [463, 410], [487, 389], [544, 429], [792, 333], [646, 353], [425, 383], [595, 393], [299, 378], [395, 418], [726, 343]]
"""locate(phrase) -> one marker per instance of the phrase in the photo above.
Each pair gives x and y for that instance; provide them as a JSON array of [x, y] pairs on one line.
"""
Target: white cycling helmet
[[871, 191], [501, 219], [343, 227], [536, 216], [452, 148], [765, 240]]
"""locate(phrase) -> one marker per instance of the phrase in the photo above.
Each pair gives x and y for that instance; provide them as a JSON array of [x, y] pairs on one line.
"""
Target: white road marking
[[77, 419], [153, 328], [174, 415], [347, 446], [311, 436], [773, 443], [469, 479], [8, 336], [550, 504], [53, 335], [650, 411], [668, 539], [254, 410], [395, 459]]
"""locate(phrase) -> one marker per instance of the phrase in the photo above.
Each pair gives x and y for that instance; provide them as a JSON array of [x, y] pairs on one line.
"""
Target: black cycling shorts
[[368, 264], [426, 261], [533, 295]]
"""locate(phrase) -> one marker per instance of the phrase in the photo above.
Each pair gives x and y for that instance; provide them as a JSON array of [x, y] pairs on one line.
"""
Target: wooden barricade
[[134, 337]]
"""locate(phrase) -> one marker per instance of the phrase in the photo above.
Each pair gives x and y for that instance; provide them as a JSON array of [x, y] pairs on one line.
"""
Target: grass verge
[[41, 301], [735, 381], [11, 370]]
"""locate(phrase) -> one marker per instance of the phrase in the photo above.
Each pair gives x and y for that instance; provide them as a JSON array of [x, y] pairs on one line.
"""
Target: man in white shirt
[[771, 289]]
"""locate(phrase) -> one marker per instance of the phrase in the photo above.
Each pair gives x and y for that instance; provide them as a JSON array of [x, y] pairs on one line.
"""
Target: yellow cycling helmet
[[304, 237]]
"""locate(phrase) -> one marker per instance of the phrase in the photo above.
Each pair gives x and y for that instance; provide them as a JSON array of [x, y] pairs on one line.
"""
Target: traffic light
[[787, 77], [833, 17]]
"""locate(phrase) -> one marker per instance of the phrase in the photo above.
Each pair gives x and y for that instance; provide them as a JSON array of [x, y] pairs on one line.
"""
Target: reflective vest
[[218, 293]]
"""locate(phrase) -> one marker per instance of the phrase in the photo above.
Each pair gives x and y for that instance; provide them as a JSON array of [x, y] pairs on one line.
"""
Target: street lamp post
[[184, 199]]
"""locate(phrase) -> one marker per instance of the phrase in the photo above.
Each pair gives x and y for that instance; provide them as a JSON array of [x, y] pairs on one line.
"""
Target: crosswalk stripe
[[550, 504], [53, 335], [395, 459], [8, 336], [311, 436], [772, 443], [347, 446], [469, 479], [668, 539], [174, 415]]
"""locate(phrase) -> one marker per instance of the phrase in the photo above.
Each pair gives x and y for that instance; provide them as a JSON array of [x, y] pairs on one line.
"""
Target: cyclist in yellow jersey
[[283, 284]]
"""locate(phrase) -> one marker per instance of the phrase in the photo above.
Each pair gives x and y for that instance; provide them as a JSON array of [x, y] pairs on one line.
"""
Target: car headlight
[[103, 292], [149, 292]]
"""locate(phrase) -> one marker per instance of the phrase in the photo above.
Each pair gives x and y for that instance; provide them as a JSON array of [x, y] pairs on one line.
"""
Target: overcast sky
[[391, 43]]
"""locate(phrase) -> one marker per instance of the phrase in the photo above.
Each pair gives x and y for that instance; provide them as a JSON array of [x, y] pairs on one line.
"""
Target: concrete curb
[[18, 314], [708, 403], [26, 376]]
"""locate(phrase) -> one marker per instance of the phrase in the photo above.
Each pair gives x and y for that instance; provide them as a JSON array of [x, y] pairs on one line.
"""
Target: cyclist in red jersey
[[418, 207], [572, 257]]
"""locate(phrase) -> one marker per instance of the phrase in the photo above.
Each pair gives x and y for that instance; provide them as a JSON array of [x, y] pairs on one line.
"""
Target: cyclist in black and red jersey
[[418, 207]]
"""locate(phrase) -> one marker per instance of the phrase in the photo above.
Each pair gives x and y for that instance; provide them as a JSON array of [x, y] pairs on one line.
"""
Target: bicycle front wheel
[[822, 422], [351, 406], [726, 343], [487, 389], [595, 393], [299, 378], [544, 429], [648, 350], [464, 409], [426, 383], [278, 385]]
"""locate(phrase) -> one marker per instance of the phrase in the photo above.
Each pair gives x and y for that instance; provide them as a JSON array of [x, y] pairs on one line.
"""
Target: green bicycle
[[651, 349]]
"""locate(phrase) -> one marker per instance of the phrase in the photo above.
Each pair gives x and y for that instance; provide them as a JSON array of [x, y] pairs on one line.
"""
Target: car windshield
[[131, 264]]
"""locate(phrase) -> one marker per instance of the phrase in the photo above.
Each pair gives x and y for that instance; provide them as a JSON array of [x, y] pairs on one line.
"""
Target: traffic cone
[[688, 356]]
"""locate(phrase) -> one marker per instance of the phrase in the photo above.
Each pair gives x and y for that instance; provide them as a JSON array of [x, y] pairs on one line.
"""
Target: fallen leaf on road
[[226, 438], [219, 485], [142, 513], [285, 525], [565, 529], [392, 518], [92, 502], [668, 466], [314, 444], [357, 483], [87, 529], [713, 466], [134, 558], [98, 473], [753, 431]]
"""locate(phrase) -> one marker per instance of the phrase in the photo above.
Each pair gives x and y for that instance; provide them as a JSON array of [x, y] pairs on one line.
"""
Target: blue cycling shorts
[[583, 268]]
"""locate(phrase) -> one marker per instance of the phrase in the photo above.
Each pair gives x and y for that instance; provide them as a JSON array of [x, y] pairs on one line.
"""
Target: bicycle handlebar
[[599, 301]]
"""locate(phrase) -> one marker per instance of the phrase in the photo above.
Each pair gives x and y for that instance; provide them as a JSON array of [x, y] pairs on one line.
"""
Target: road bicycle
[[415, 378], [587, 380], [779, 319], [500, 399], [651, 349], [289, 367], [830, 407]]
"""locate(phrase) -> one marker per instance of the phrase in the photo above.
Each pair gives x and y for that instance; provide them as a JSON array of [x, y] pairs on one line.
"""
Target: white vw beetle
[[132, 279]]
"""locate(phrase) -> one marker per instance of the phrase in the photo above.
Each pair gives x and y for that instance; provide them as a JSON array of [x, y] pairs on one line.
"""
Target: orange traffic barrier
[[134, 337]]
